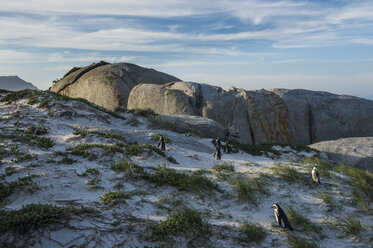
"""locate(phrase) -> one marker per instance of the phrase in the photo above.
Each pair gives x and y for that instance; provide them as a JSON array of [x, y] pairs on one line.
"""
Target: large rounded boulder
[[108, 85], [262, 116]]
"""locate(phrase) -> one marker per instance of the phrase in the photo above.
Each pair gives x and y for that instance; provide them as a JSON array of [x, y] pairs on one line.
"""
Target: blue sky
[[251, 44]]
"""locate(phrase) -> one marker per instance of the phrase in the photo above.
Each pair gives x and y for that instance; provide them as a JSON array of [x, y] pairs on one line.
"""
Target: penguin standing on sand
[[227, 148], [315, 175], [217, 143], [281, 217], [217, 153], [162, 144]]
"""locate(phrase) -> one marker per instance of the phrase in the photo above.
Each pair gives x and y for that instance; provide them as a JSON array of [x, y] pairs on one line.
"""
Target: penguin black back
[[281, 217]]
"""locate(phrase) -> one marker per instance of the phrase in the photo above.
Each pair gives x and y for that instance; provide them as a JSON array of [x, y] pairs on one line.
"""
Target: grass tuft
[[248, 190], [286, 172], [298, 242], [112, 198], [187, 221], [157, 136], [252, 233], [296, 218], [36, 215]]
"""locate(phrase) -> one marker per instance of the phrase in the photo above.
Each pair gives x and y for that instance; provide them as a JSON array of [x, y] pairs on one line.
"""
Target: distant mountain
[[14, 83]]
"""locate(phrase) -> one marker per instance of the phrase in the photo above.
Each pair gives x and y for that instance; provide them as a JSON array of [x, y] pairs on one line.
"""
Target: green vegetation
[[66, 98], [186, 220], [248, 189], [195, 183], [34, 216], [74, 69], [67, 160], [325, 197], [33, 99], [323, 166], [37, 130], [252, 233], [298, 242], [90, 171], [112, 198], [16, 95], [350, 225], [26, 157], [148, 113], [102, 134], [132, 170], [287, 172], [93, 183], [81, 150], [157, 136], [223, 170], [297, 219], [360, 179], [30, 139], [44, 103], [136, 149], [10, 170], [7, 189]]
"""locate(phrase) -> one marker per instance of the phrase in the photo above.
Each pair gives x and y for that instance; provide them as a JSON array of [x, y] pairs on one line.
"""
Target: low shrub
[[187, 221], [248, 190], [112, 198], [350, 225], [298, 242], [8, 189], [34, 216], [252, 233], [157, 136]]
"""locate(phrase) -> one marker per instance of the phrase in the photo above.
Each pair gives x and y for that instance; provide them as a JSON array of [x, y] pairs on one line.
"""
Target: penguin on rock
[[281, 218]]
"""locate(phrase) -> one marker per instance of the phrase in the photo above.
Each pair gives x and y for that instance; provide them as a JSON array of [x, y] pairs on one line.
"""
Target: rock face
[[192, 124], [357, 152], [278, 115], [108, 85], [14, 83]]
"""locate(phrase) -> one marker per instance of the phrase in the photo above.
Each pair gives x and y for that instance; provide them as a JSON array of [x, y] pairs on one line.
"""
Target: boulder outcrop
[[356, 152], [277, 115], [108, 85]]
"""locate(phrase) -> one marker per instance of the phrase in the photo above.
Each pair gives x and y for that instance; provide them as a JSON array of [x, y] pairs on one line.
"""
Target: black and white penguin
[[281, 218], [315, 175]]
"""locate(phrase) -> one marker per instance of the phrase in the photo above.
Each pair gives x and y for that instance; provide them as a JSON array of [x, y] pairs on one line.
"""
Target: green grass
[[34, 216], [157, 136], [249, 190], [27, 157], [350, 225], [112, 198], [16, 95], [323, 166], [360, 201], [186, 221], [8, 189], [195, 183], [81, 150], [131, 169], [287, 172], [90, 171], [33, 99], [84, 133], [58, 96], [252, 233], [300, 221], [37, 130], [30, 139], [325, 197], [143, 112], [360, 179], [298, 242], [67, 160], [44, 103], [136, 149], [92, 183], [10, 170], [223, 170]]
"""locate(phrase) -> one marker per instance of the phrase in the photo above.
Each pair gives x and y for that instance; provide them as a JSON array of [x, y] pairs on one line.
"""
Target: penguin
[[218, 143], [162, 144], [315, 175], [217, 153], [227, 148], [281, 217]]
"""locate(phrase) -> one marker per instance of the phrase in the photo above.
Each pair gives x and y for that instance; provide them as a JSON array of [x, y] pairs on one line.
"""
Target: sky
[[322, 45]]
